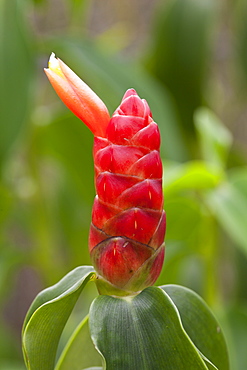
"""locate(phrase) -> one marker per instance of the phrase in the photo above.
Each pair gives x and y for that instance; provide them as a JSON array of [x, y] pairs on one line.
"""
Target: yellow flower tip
[[54, 65]]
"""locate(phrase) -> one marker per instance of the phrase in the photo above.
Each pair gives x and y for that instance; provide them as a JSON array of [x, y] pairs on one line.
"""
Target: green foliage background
[[188, 60]]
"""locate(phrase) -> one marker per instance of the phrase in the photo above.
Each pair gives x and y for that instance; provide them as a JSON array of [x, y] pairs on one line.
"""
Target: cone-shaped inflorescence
[[128, 221]]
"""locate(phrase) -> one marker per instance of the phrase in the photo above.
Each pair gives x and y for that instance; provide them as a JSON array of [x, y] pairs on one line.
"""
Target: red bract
[[128, 220]]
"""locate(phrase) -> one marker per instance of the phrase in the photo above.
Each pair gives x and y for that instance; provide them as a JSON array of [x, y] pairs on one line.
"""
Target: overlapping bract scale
[[128, 221]]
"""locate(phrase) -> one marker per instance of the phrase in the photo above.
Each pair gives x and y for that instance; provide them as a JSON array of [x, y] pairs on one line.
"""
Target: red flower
[[128, 220]]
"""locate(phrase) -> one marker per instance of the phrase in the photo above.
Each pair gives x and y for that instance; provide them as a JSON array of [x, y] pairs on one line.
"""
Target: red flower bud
[[128, 220]]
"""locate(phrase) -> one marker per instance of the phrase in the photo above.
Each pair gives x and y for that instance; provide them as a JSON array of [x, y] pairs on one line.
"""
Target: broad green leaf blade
[[200, 324], [229, 204], [215, 138], [15, 72], [47, 317], [79, 351], [142, 332]]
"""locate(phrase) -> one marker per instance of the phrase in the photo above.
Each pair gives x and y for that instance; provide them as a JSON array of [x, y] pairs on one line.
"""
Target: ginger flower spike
[[128, 221]]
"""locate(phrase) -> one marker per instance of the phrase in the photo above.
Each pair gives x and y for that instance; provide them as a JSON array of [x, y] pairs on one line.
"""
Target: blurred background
[[188, 59]]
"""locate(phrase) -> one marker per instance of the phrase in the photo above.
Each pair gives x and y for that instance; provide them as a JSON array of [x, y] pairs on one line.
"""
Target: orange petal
[[78, 96]]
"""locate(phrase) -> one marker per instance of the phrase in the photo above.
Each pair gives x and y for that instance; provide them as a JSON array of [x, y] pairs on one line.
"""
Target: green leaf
[[184, 219], [15, 72], [180, 52], [229, 206], [200, 324], [142, 332], [47, 317], [79, 351], [193, 175], [215, 138], [67, 139]]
